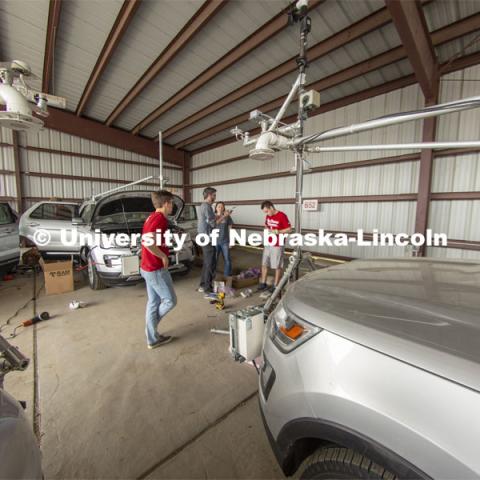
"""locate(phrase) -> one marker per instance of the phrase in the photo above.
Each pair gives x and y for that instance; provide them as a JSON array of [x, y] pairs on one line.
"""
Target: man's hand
[[165, 261]]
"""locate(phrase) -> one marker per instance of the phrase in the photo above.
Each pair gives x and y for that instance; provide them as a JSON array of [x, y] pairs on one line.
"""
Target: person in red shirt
[[276, 222], [154, 268]]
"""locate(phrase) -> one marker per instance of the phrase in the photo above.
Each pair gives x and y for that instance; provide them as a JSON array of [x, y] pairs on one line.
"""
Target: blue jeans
[[227, 261], [161, 299]]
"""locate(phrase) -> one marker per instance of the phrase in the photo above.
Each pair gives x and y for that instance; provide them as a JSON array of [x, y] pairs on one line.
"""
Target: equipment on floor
[[20, 100], [37, 318], [246, 328], [11, 358], [30, 261], [76, 304], [218, 301], [31, 321], [219, 331]]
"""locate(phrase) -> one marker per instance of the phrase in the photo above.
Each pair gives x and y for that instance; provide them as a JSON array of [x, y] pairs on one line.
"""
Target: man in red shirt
[[276, 222], [154, 267]]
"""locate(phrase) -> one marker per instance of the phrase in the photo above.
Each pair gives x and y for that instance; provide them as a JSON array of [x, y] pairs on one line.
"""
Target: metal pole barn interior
[[365, 61], [189, 72]]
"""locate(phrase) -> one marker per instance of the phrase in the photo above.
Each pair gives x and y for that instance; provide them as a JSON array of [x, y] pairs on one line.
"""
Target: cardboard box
[[237, 283], [219, 277], [58, 276], [244, 282]]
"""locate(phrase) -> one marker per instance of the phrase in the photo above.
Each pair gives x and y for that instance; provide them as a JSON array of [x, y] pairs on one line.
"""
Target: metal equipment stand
[[291, 273]]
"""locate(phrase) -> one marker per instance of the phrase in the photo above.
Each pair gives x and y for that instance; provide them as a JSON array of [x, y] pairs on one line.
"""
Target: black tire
[[94, 280], [341, 463]]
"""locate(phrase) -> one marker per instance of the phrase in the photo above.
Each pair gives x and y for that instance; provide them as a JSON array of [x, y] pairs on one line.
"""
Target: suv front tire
[[94, 280], [332, 462]]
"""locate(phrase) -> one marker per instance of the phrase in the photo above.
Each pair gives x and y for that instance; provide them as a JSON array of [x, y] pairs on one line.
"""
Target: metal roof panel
[[23, 34], [153, 27], [83, 30], [224, 31]]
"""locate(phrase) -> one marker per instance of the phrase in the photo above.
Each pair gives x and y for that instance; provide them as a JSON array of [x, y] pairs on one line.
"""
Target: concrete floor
[[110, 408]]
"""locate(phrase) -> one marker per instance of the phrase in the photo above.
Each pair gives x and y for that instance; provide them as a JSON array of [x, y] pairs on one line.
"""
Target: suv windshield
[[189, 214], [119, 211], [5, 214], [133, 210]]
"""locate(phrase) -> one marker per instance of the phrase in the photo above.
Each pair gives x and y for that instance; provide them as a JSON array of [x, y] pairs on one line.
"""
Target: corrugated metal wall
[[49, 158], [462, 173], [459, 219], [376, 180], [7, 164]]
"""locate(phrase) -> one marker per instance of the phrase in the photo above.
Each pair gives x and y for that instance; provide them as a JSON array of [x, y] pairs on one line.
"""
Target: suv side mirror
[[78, 221]]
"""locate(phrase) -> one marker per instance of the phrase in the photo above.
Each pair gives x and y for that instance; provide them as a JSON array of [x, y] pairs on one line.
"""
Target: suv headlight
[[287, 331], [111, 260]]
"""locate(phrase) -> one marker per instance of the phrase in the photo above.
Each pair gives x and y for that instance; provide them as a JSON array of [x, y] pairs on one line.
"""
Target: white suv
[[9, 239], [372, 370]]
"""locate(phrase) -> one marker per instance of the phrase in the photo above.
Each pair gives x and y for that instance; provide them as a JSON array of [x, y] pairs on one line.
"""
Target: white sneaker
[[200, 289]]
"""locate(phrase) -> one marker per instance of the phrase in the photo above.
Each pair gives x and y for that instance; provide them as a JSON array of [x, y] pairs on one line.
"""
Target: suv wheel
[[341, 463], [94, 280]]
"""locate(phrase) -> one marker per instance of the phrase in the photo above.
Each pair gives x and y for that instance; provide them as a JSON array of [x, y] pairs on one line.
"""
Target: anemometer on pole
[[276, 135], [22, 102]]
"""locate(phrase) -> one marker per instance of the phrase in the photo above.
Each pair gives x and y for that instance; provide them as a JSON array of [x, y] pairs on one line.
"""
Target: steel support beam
[[18, 170], [90, 129], [411, 26], [187, 191], [200, 18], [425, 177], [52, 27], [121, 24]]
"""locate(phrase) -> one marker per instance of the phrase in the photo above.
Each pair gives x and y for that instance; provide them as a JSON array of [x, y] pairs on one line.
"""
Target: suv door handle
[[33, 224]]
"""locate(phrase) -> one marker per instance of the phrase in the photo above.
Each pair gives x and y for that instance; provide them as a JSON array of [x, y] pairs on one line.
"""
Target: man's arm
[[158, 253], [285, 226], [154, 247], [209, 215]]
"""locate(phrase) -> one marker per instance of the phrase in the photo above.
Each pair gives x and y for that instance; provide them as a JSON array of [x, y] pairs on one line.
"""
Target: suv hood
[[178, 202], [421, 311]]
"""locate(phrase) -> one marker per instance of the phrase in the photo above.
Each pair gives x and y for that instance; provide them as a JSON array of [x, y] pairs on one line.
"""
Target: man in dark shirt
[[207, 222], [154, 268]]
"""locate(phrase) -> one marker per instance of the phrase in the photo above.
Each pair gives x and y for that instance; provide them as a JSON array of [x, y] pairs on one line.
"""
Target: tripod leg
[[292, 267]]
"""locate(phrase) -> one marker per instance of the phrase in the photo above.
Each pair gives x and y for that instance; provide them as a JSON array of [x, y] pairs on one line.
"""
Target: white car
[[114, 213], [371, 370], [51, 216], [9, 248], [126, 212]]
